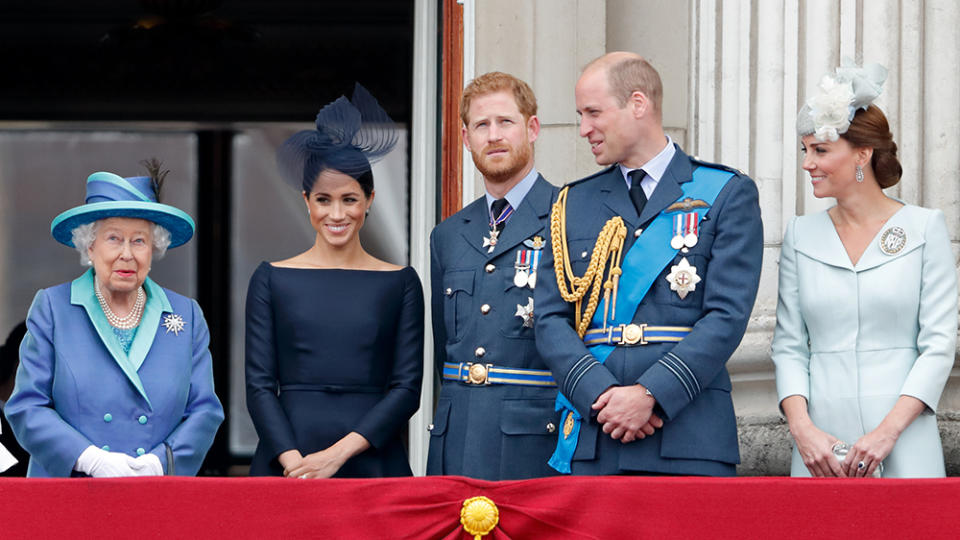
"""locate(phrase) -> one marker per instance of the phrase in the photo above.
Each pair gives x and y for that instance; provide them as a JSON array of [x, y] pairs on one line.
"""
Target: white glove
[[149, 465], [102, 464]]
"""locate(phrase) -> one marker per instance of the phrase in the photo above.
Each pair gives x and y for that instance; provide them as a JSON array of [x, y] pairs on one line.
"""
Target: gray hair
[[84, 235]]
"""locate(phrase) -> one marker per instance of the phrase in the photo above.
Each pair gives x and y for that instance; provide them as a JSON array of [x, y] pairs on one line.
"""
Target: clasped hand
[[100, 463], [626, 413], [322, 464]]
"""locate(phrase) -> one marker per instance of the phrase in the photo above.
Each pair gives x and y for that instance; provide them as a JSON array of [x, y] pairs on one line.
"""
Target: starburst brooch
[[173, 323]]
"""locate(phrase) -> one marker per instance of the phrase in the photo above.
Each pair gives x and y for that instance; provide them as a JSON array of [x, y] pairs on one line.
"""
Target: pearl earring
[[859, 175]]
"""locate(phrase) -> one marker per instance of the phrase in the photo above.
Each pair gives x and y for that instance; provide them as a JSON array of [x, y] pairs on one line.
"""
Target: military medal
[[685, 230], [490, 242], [692, 229], [893, 240], [526, 313], [534, 263], [677, 241], [683, 278], [522, 267]]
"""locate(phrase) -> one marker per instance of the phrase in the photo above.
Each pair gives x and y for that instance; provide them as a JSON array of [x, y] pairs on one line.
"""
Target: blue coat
[[692, 387], [73, 391], [496, 431], [852, 339]]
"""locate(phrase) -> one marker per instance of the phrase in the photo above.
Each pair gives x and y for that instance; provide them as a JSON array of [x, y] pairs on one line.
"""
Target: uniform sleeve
[[402, 397], [580, 377], [193, 436], [937, 339], [50, 440], [790, 351], [436, 306], [263, 402], [730, 289]]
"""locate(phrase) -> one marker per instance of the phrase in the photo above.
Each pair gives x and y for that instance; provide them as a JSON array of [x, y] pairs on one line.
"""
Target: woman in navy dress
[[334, 342]]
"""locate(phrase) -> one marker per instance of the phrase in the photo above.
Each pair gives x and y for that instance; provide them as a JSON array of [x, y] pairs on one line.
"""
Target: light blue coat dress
[[76, 387], [852, 339]]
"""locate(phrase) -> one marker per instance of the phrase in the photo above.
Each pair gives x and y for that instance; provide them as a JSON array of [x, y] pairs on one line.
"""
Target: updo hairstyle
[[869, 129]]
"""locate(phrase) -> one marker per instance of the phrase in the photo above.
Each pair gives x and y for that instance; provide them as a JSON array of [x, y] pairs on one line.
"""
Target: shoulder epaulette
[[720, 166], [594, 175]]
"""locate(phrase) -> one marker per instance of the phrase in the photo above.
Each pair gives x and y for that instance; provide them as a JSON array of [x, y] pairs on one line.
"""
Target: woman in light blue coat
[[867, 313], [115, 377]]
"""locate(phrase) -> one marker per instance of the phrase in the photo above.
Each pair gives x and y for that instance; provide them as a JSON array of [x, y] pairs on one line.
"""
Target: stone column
[[760, 61], [546, 43]]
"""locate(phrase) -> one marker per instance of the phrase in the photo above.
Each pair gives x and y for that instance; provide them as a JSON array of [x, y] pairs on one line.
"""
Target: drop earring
[[859, 174]]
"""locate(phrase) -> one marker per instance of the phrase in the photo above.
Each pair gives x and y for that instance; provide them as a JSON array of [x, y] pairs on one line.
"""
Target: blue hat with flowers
[[109, 195], [828, 114]]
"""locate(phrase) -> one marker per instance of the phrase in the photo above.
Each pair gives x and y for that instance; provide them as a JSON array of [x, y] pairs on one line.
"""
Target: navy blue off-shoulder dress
[[330, 351]]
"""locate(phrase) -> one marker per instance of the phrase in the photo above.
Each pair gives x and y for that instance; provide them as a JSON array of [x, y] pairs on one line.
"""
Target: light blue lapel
[[818, 239], [907, 219], [82, 294]]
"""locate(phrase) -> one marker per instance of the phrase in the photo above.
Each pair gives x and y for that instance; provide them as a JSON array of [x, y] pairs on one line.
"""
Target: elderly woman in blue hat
[[115, 376]]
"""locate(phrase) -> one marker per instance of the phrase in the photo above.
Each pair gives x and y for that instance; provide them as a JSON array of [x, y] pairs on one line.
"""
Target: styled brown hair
[[497, 81], [869, 129], [635, 75]]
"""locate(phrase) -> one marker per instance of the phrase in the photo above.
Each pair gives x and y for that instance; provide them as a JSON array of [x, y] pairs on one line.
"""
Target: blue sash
[[648, 256]]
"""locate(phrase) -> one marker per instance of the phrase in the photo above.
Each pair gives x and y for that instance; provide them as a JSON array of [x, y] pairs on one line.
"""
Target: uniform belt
[[475, 373], [635, 334]]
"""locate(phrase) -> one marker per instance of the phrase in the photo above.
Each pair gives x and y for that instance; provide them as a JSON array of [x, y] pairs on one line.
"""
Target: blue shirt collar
[[518, 192], [656, 166]]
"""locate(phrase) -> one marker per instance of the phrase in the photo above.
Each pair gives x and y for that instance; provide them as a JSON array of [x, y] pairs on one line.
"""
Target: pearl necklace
[[132, 320]]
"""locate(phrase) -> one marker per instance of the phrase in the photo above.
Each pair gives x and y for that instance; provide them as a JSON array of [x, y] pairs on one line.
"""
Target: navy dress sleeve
[[402, 397], [263, 402]]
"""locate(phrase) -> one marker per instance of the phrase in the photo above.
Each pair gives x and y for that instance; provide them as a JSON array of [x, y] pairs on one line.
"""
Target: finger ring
[[861, 465], [303, 476]]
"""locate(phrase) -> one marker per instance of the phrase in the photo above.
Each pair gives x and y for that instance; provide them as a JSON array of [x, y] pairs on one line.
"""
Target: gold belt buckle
[[632, 334], [478, 373]]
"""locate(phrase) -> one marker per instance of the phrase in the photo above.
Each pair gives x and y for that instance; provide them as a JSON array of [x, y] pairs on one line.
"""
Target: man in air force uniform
[[495, 418], [654, 268]]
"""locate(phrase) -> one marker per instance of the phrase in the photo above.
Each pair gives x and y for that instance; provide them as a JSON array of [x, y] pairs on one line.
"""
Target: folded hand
[[626, 413]]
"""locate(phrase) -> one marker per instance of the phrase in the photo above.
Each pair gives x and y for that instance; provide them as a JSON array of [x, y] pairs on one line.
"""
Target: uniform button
[[489, 268], [142, 419], [479, 352], [105, 448], [485, 309], [141, 451], [583, 255], [108, 417], [637, 233], [449, 291], [550, 427], [430, 427]]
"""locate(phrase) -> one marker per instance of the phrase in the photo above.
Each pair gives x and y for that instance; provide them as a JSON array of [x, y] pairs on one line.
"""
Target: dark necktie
[[637, 195], [500, 211]]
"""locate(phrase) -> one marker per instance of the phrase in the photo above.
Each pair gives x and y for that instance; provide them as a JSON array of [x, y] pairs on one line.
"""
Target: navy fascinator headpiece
[[350, 135]]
